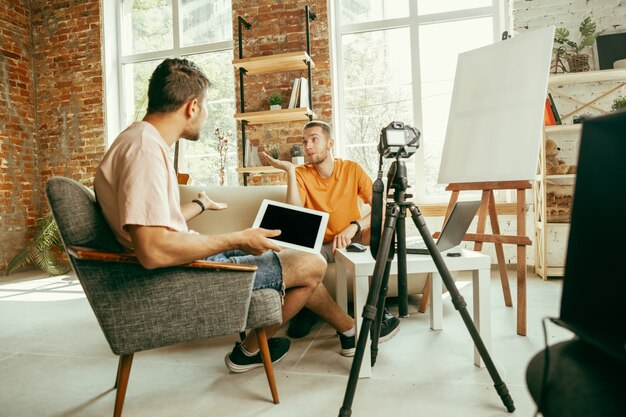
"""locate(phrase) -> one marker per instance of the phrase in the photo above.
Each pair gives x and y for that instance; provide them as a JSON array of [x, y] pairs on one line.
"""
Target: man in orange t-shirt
[[334, 186]]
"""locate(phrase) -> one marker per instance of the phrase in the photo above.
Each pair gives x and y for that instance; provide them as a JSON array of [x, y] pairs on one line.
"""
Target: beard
[[192, 133], [318, 158], [193, 136]]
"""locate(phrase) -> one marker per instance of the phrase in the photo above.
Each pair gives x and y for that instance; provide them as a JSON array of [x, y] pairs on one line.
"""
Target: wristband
[[198, 202], [358, 226]]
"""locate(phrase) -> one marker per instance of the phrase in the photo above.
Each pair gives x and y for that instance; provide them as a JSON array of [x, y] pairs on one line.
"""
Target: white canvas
[[497, 110]]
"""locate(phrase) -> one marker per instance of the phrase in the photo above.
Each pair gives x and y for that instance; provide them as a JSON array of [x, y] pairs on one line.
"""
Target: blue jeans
[[269, 273]]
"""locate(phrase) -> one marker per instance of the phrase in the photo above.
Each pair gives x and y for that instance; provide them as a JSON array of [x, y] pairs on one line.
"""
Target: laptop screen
[[594, 286]]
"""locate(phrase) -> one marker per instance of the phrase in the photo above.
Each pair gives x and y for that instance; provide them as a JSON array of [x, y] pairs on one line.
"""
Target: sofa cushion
[[243, 204]]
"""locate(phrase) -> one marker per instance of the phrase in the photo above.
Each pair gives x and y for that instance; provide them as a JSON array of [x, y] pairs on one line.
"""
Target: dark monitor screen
[[297, 227], [595, 282]]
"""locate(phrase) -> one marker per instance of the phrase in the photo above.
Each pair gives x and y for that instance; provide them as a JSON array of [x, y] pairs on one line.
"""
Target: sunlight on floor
[[59, 288]]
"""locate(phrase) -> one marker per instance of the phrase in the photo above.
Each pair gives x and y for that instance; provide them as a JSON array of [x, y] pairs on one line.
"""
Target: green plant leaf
[[618, 103], [22, 259], [561, 35], [39, 251], [587, 27]]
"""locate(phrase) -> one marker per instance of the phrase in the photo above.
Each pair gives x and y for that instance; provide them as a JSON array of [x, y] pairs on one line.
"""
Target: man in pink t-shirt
[[137, 189]]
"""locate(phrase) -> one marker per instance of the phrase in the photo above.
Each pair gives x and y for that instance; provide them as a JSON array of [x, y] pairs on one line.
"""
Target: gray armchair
[[140, 309]]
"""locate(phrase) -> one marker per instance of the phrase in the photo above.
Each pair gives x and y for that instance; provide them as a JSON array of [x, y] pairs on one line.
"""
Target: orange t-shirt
[[337, 195]]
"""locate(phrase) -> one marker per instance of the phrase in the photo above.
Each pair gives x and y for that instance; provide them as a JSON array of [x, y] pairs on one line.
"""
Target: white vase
[[297, 160], [619, 64], [275, 107]]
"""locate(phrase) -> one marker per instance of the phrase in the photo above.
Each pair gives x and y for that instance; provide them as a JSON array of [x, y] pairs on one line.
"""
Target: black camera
[[398, 140]]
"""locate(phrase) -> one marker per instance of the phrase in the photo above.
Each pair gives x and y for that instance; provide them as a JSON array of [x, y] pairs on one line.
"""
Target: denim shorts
[[269, 273]]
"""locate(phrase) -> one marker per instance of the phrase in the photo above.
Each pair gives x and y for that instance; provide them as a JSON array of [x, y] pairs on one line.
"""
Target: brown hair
[[174, 82], [323, 125]]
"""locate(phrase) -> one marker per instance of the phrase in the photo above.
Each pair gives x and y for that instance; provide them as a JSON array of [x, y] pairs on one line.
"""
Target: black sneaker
[[236, 361], [301, 324], [389, 327], [348, 344]]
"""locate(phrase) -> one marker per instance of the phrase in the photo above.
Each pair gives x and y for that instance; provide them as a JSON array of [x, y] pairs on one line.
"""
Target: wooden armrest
[[88, 254]]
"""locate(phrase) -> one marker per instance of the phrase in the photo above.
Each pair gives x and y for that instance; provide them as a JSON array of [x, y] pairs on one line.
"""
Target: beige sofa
[[243, 204]]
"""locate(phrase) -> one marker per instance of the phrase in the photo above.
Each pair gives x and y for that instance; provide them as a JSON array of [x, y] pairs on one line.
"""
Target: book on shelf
[[299, 93], [293, 101], [555, 112], [252, 156], [548, 116], [304, 92]]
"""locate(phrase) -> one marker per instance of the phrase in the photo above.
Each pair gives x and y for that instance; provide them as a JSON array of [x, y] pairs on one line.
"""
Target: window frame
[[499, 11], [115, 89]]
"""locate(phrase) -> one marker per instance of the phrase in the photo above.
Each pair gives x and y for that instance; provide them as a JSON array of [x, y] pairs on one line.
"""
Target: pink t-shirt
[[136, 183]]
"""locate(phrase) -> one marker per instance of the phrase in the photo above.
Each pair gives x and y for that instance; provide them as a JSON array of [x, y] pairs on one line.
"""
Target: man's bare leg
[[322, 304], [302, 275], [320, 301]]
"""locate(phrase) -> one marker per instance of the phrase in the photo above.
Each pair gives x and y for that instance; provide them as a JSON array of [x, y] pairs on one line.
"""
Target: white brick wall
[[609, 15]]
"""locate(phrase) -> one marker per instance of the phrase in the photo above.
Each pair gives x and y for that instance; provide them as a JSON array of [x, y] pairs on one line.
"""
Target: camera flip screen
[[395, 137]]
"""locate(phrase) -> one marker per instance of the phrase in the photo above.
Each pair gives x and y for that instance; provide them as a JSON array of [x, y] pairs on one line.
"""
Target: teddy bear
[[554, 165]]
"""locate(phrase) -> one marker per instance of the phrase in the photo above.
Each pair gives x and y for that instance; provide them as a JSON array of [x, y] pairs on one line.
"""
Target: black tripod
[[394, 226]]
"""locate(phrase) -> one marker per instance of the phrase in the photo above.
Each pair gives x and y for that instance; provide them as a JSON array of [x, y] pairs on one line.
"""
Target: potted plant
[[571, 50], [272, 150], [276, 101], [619, 103], [45, 250], [297, 154]]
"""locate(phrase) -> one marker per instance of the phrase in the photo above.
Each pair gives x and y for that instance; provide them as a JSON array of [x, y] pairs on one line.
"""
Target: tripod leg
[[461, 307], [403, 296], [369, 311], [380, 311]]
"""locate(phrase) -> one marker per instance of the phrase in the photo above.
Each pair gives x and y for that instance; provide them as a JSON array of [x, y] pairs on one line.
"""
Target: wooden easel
[[488, 207]]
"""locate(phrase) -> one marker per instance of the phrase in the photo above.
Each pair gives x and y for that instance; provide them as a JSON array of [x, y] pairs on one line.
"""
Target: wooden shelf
[[540, 224], [290, 61], [561, 178], [555, 271], [587, 77], [276, 116], [258, 170], [564, 128], [551, 237]]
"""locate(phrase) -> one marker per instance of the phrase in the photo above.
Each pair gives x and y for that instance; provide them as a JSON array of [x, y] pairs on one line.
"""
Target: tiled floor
[[54, 361]]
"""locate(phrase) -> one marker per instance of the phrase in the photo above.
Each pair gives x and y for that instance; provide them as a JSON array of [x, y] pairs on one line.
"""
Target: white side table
[[359, 266]]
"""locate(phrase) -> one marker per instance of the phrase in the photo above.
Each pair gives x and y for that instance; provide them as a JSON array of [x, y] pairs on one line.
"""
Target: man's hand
[[210, 204], [256, 241], [276, 163], [344, 238]]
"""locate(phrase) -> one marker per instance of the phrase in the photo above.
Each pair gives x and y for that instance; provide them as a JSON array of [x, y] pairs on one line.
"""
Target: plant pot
[[297, 160], [619, 64], [578, 63], [275, 107]]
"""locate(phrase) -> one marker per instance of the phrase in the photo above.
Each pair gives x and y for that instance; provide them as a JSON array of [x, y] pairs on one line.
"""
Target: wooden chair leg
[[425, 295], [121, 383], [261, 338]]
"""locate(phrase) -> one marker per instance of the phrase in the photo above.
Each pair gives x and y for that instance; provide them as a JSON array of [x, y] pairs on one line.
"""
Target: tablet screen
[[300, 228]]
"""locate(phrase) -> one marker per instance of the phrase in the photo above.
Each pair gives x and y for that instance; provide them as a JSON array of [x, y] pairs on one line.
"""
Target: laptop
[[594, 283], [453, 231]]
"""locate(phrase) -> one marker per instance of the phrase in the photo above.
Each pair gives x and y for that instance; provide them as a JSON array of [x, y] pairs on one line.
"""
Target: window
[[395, 61], [199, 30]]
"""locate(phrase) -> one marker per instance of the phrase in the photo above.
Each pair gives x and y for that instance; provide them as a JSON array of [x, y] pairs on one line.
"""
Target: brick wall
[[19, 186], [52, 96], [609, 15], [279, 27]]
